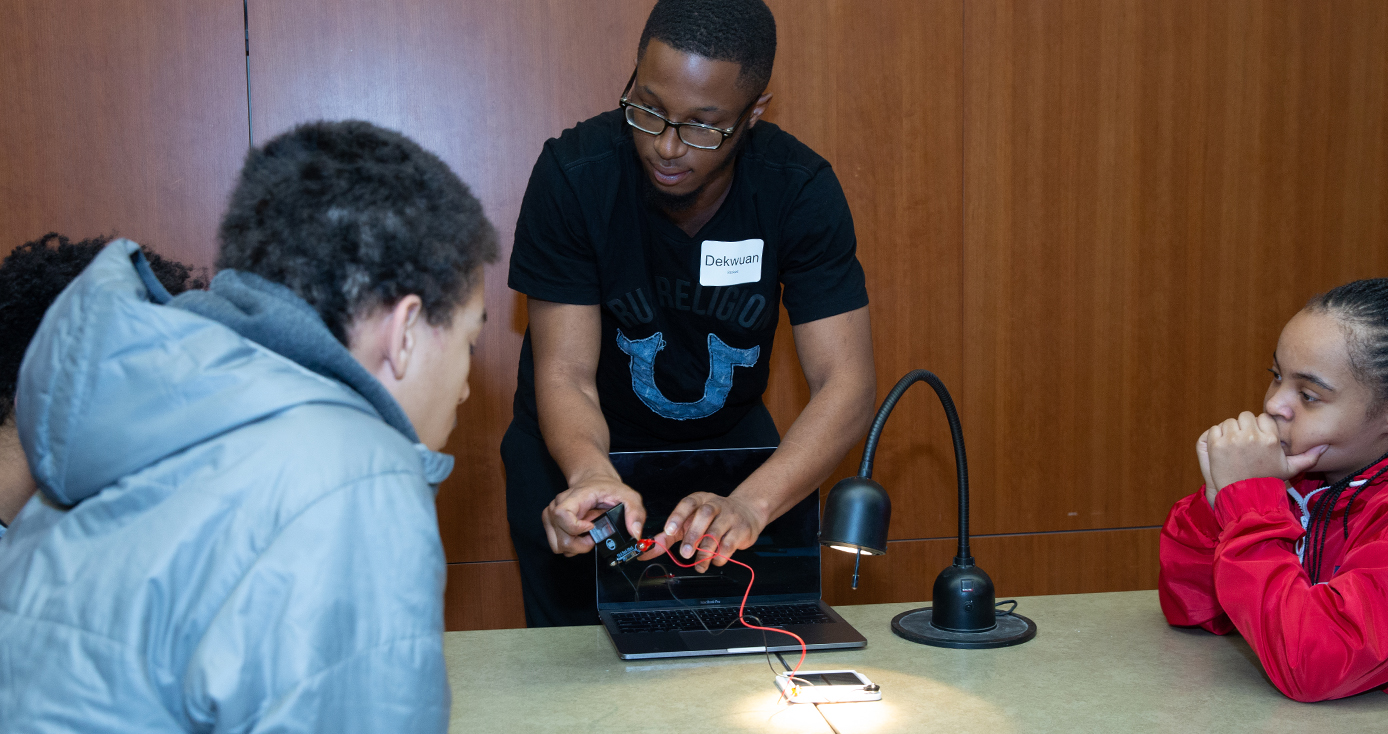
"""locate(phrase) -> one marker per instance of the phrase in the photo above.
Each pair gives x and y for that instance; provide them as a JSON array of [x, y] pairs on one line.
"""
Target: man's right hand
[[570, 516]]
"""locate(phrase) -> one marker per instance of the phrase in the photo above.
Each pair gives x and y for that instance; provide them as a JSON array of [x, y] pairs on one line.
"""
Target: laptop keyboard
[[716, 618]]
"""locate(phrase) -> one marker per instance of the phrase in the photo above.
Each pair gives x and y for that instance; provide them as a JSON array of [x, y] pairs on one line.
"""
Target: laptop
[[655, 609]]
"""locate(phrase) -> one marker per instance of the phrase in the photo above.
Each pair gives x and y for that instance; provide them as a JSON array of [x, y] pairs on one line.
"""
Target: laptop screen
[[785, 556]]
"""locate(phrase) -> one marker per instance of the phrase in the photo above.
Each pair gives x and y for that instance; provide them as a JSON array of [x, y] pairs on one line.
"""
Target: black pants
[[559, 591]]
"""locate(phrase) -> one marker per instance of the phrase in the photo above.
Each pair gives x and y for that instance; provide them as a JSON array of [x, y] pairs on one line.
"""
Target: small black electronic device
[[611, 540], [656, 609]]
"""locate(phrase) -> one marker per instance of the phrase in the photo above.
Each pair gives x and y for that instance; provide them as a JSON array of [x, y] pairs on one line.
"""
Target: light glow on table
[[778, 715], [932, 705], [863, 716]]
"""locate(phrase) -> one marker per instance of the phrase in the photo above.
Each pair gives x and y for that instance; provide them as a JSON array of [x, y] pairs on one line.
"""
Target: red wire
[[745, 594]]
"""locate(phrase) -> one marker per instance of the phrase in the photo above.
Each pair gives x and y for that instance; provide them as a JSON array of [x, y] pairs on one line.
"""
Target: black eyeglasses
[[693, 134]]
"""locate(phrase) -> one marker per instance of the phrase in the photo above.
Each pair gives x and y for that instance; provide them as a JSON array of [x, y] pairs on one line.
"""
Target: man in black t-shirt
[[655, 245]]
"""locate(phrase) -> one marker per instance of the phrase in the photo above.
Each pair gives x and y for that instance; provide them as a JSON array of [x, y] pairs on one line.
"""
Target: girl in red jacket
[[1287, 542]]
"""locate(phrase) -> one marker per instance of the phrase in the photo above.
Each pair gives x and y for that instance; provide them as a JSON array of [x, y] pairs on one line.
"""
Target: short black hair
[[352, 217], [31, 278], [743, 31]]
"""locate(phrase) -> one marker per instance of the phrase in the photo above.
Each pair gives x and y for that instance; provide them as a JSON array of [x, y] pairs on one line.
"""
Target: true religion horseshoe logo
[[721, 361]]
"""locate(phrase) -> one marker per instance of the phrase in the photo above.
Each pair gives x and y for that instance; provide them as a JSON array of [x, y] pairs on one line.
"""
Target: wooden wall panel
[[876, 89], [487, 595], [483, 596], [121, 117], [1151, 190], [1028, 564], [1090, 218]]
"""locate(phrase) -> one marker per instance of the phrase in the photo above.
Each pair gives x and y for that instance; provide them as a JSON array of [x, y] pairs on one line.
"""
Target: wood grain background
[[121, 117], [1090, 217]]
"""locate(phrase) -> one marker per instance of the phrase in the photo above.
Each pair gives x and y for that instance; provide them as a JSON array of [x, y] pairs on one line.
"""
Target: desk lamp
[[856, 514]]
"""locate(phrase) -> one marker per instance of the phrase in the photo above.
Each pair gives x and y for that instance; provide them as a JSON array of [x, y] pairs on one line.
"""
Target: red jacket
[[1237, 567]]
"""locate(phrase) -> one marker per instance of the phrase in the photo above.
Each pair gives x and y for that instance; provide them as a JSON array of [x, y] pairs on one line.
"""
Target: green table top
[[1099, 662]]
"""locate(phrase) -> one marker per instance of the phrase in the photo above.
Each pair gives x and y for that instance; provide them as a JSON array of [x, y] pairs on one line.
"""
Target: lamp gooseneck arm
[[961, 466]]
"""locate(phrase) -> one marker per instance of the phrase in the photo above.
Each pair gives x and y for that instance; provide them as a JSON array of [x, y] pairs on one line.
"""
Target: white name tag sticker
[[730, 263]]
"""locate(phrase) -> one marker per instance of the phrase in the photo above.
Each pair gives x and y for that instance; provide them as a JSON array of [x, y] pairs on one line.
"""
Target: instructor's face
[[686, 87]]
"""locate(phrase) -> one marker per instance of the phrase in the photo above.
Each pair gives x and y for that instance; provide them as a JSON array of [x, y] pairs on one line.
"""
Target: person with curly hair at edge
[[235, 525], [31, 277], [1287, 542]]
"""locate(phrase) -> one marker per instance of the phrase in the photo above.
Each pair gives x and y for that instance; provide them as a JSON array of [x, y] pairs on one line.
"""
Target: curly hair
[[743, 31], [31, 278], [352, 217]]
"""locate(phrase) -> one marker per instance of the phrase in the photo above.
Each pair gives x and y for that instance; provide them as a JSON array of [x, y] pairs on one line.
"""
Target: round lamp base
[[1012, 629]]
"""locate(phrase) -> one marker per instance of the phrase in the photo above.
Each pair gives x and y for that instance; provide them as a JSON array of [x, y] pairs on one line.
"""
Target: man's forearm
[[835, 419], [574, 430]]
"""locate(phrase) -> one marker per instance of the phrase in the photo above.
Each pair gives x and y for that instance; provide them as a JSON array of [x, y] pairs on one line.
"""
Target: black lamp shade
[[856, 515]]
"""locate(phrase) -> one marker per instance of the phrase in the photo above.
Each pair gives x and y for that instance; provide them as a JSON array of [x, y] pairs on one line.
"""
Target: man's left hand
[[732, 523]]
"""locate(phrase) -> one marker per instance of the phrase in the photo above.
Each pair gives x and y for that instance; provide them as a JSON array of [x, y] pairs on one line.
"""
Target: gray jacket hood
[[119, 377]]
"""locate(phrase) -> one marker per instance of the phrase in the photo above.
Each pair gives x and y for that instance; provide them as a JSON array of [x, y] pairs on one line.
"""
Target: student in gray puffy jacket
[[235, 526]]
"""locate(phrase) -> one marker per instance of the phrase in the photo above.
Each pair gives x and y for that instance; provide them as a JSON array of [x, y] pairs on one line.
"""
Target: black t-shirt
[[687, 322]]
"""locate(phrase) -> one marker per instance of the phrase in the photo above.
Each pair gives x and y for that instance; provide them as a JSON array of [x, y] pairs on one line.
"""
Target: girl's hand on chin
[[1247, 447]]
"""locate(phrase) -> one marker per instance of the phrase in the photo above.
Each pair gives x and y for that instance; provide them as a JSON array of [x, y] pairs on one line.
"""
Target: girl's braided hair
[[1362, 309], [31, 278]]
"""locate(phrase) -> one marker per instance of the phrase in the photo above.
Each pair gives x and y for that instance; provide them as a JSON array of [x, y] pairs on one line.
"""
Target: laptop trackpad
[[732, 639]]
